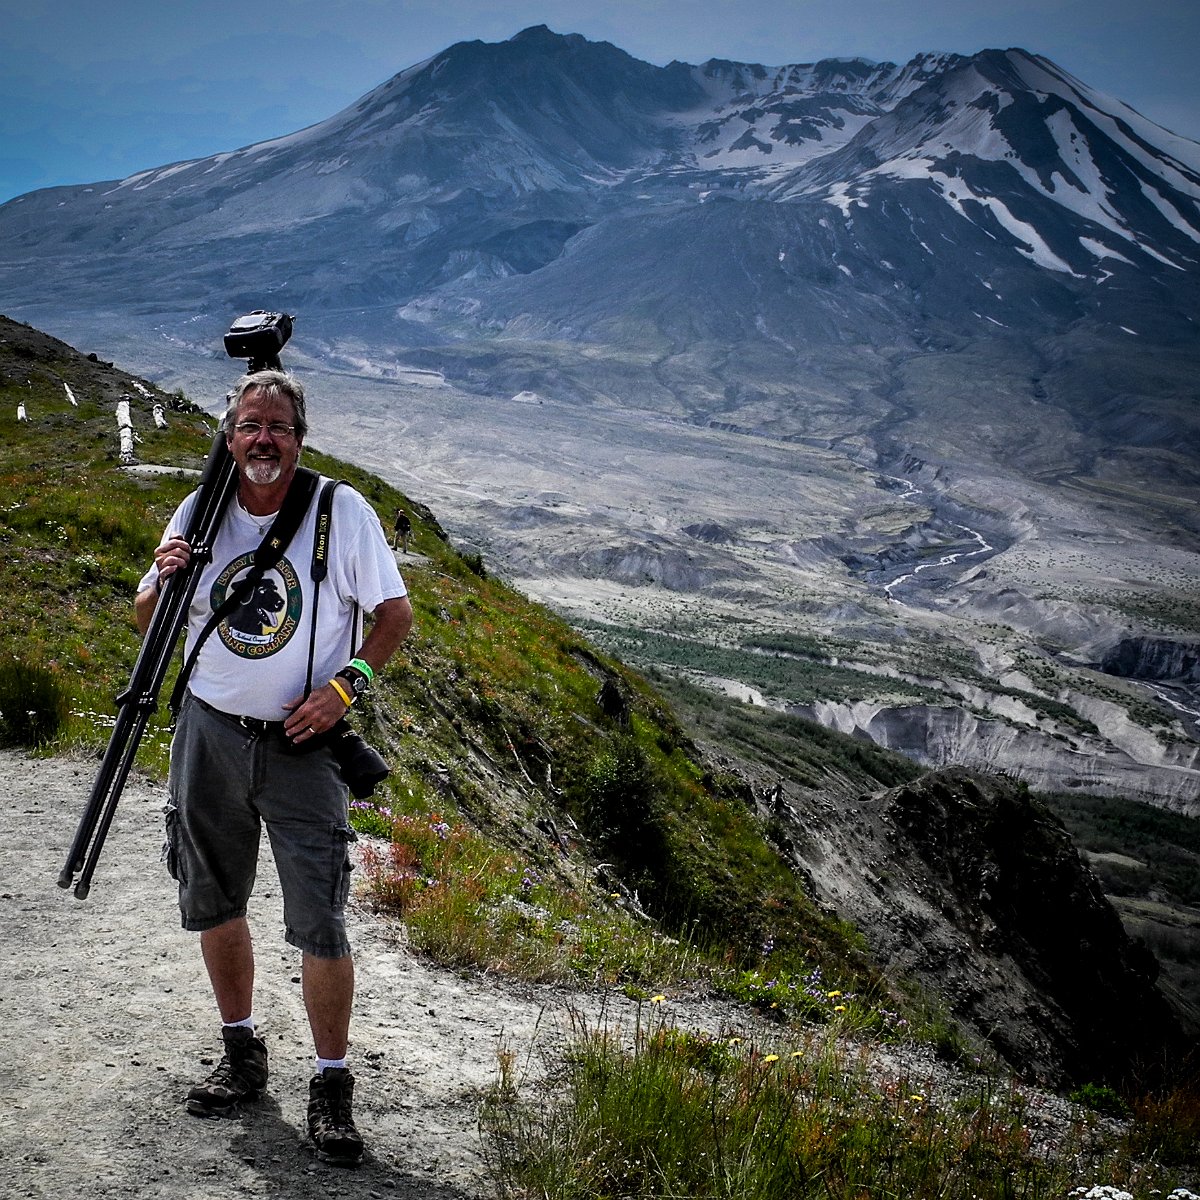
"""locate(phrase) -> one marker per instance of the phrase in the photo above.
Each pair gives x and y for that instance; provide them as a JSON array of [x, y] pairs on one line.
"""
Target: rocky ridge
[[974, 890]]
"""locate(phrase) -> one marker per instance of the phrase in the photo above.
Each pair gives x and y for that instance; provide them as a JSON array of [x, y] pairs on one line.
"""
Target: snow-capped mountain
[[553, 188], [1006, 138]]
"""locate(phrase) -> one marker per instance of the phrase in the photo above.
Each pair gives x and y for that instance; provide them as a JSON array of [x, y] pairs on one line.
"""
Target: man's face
[[265, 457]]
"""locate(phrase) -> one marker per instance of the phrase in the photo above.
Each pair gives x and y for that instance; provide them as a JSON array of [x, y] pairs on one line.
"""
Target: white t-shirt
[[256, 660]]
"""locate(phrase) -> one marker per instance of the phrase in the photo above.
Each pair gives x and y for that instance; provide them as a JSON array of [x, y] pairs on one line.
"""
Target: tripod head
[[258, 337]]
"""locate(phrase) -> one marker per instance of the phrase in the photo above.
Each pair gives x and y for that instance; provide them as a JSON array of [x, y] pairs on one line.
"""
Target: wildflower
[[839, 1008], [771, 1058], [659, 999], [833, 995], [917, 1098], [797, 1053], [735, 1041]]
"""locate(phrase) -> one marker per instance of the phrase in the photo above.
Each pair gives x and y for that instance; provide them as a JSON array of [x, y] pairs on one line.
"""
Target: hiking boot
[[240, 1075], [330, 1119]]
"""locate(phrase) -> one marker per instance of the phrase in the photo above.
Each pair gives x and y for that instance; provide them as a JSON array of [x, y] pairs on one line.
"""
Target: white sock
[[245, 1023], [322, 1063]]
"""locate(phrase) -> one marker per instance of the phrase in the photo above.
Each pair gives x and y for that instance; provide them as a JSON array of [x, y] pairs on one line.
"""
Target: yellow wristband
[[341, 691]]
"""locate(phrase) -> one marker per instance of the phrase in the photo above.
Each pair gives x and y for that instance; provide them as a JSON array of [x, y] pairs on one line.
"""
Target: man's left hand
[[314, 716]]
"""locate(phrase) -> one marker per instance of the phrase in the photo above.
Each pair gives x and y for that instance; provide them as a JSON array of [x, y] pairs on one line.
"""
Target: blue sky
[[98, 89]]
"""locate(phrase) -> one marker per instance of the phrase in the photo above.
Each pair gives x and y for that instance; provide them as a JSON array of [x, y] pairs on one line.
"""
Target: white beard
[[262, 472]]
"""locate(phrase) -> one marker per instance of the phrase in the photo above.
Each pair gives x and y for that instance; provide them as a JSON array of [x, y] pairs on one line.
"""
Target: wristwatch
[[355, 680]]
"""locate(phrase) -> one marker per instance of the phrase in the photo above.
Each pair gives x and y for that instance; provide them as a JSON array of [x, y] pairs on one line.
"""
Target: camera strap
[[360, 766], [270, 550], [319, 568]]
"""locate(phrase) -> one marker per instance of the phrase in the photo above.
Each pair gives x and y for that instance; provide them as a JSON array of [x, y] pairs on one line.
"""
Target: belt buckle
[[254, 725]]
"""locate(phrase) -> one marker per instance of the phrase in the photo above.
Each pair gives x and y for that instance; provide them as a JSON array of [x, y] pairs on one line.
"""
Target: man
[[401, 528], [247, 749]]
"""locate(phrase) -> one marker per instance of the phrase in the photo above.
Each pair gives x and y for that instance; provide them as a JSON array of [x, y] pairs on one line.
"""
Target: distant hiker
[[249, 748], [612, 703], [401, 529]]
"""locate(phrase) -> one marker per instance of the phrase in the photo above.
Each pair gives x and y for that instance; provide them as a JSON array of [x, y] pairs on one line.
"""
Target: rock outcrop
[[1126, 761], [973, 889], [1155, 658]]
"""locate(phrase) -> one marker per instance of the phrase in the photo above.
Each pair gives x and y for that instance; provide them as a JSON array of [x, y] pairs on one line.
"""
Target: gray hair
[[273, 384]]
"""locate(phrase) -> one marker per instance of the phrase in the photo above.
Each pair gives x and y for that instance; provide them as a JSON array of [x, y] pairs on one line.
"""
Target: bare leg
[[328, 997], [229, 957]]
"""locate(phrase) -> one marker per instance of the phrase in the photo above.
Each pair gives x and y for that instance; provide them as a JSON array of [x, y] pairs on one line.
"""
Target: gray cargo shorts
[[226, 781]]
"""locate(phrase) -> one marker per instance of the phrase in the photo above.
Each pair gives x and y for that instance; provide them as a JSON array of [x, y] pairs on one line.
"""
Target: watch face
[[358, 685]]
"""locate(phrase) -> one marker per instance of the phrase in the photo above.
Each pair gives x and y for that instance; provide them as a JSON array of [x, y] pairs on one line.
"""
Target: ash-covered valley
[[1046, 630]]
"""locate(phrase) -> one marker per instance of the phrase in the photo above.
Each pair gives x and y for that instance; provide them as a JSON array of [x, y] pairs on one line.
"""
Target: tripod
[[260, 335], [139, 700]]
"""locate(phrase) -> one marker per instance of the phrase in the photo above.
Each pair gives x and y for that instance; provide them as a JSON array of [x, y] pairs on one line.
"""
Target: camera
[[361, 765], [259, 336]]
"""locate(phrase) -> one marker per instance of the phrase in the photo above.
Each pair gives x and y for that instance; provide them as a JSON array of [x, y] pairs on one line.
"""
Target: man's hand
[[173, 555], [390, 625], [314, 716]]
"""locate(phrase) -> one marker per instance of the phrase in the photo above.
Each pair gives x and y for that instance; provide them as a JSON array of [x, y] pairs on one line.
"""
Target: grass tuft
[[34, 703], [671, 1113]]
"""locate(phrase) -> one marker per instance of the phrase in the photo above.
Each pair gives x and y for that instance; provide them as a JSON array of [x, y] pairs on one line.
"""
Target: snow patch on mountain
[[1028, 241]]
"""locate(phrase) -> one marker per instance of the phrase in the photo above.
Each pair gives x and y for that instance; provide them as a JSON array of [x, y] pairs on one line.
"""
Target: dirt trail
[[108, 1021]]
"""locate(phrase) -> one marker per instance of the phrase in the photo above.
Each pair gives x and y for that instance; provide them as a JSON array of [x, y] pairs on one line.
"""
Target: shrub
[[1100, 1099], [34, 704]]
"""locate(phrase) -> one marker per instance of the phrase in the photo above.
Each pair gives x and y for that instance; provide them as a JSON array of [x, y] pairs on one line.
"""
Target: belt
[[253, 725]]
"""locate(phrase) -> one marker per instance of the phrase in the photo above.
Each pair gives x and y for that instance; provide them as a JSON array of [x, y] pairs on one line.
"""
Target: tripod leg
[[105, 819], [118, 744]]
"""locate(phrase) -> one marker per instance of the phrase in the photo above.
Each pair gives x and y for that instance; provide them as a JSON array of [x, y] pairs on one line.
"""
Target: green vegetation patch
[[1165, 844], [784, 674], [694, 1114], [1164, 609]]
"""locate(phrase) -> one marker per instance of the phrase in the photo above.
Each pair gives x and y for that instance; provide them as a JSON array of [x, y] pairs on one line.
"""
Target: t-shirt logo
[[265, 621]]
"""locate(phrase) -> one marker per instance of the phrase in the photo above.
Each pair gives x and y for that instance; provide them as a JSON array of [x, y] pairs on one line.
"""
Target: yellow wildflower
[[771, 1058], [839, 1008], [834, 995], [657, 999]]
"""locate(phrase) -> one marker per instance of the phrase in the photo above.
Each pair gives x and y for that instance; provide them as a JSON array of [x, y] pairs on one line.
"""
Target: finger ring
[[310, 729]]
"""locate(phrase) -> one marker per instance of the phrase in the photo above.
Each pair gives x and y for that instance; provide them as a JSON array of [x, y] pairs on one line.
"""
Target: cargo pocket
[[170, 850], [343, 838]]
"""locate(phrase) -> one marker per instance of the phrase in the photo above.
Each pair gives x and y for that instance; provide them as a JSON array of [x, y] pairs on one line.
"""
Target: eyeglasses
[[277, 429]]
